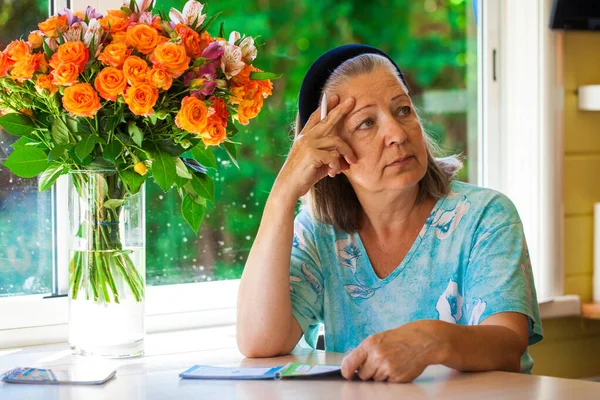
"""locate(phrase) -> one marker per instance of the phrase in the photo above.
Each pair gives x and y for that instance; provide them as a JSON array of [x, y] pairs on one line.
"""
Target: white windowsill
[[560, 307]]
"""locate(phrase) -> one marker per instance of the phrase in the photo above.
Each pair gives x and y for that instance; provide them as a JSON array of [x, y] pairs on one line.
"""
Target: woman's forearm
[[478, 347], [265, 324]]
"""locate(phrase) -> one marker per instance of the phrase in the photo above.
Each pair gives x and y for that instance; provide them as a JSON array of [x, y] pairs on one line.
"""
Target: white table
[[155, 376]]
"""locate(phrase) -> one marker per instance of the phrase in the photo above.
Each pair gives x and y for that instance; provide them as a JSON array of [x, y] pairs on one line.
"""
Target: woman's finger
[[336, 142], [367, 370], [353, 361], [315, 117], [326, 126]]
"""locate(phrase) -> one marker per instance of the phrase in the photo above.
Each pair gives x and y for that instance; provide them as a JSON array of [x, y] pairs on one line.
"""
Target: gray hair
[[333, 200]]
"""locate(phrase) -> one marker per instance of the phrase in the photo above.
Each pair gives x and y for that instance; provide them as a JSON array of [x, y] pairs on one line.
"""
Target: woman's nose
[[394, 132]]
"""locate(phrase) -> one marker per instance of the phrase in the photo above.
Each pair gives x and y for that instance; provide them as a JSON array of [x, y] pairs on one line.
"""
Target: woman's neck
[[392, 214]]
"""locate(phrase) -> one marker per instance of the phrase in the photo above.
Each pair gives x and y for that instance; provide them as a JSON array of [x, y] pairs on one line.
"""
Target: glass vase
[[107, 266]]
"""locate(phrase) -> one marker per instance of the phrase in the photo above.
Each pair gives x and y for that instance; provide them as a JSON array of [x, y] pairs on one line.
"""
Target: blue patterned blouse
[[469, 261]]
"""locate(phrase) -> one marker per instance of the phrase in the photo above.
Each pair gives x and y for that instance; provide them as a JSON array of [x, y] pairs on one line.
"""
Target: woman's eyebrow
[[400, 95], [371, 105]]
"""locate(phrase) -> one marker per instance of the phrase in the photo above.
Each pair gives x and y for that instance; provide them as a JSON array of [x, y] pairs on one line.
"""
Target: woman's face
[[384, 132]]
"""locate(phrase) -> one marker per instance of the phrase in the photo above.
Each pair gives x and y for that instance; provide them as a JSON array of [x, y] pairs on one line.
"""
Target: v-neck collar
[[373, 280]]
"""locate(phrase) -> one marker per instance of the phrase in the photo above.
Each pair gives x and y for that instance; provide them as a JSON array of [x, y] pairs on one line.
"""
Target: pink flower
[[140, 5], [90, 13], [192, 14], [213, 51], [231, 62]]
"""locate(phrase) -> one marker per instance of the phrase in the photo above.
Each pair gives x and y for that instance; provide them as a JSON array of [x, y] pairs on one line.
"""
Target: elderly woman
[[403, 265]]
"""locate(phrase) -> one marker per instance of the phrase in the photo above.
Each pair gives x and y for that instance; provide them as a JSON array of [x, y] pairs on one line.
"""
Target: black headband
[[319, 72]]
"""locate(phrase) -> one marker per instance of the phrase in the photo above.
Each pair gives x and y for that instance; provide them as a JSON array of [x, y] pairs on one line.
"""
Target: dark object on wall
[[581, 15]]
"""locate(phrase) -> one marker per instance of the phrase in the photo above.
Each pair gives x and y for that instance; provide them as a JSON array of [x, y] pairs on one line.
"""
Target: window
[[434, 42], [25, 215]]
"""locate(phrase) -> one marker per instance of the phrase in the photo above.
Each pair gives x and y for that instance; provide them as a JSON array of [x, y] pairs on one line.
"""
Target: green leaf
[[78, 127], [204, 156], [136, 133], [263, 76], [112, 150], [163, 169], [17, 124], [86, 145], [50, 175], [132, 179], [181, 169], [203, 186], [47, 50], [231, 152], [60, 132], [57, 153], [209, 23], [113, 203], [192, 212], [27, 162], [222, 30], [23, 141]]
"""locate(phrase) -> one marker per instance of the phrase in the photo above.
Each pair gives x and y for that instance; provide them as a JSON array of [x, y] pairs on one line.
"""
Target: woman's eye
[[404, 110], [367, 123]]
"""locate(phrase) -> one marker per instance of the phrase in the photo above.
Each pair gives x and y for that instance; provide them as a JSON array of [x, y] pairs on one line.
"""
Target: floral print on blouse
[[469, 261]]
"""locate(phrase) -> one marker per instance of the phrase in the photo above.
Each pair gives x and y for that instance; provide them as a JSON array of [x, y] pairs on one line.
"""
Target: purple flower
[[71, 18], [91, 13], [213, 51], [209, 70]]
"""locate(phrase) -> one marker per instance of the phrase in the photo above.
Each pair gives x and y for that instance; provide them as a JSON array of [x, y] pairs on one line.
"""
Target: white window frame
[[522, 133]]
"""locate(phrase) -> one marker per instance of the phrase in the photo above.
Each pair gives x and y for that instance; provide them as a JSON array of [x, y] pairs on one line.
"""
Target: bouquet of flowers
[[130, 93]]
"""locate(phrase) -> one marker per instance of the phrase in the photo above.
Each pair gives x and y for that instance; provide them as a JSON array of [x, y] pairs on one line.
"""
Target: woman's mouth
[[401, 161]]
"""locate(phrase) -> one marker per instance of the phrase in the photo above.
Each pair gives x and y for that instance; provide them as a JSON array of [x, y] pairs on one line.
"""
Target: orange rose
[[114, 55], [214, 134], [25, 68], [3, 63], [160, 78], [35, 39], [65, 74], [171, 57], [135, 69], [118, 37], [117, 20], [41, 63], [248, 94], [110, 83], [141, 97], [205, 40], [81, 100], [218, 108], [17, 50], [71, 52], [190, 39], [26, 111], [142, 37], [45, 82], [54, 25], [193, 115]]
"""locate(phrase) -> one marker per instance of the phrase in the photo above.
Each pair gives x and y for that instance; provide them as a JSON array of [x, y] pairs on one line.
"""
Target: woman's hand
[[397, 355], [317, 151]]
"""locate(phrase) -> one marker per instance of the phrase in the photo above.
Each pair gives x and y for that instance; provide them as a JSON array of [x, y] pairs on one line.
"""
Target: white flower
[[449, 305], [192, 12], [231, 62], [75, 32], [94, 31], [248, 50], [247, 45], [142, 5], [234, 36]]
